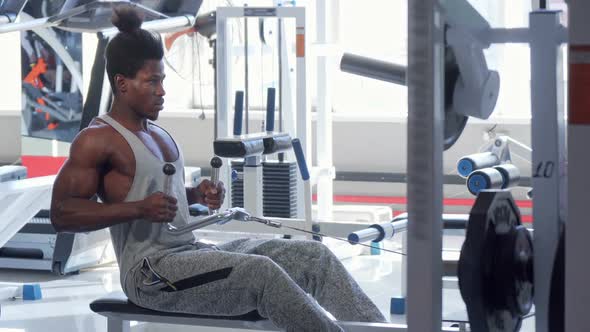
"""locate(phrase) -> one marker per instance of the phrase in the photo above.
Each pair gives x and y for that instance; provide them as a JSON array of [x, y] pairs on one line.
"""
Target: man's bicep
[[79, 181], [80, 175]]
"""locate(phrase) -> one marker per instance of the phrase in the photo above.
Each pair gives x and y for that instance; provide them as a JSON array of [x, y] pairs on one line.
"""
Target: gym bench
[[119, 312]]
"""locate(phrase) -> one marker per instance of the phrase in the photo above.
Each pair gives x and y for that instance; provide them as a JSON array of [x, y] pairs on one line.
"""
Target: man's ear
[[121, 83]]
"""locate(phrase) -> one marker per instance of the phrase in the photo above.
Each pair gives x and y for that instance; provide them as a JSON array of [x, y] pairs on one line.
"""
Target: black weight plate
[[489, 270], [557, 292]]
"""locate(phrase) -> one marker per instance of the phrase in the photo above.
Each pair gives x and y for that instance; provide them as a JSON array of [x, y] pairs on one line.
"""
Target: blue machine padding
[[477, 183], [32, 292], [505, 177], [353, 238], [238, 111], [300, 159], [465, 167], [270, 109], [376, 248], [398, 306]]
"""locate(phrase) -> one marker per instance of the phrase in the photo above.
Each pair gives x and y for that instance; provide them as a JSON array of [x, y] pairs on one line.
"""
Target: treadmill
[[37, 246]]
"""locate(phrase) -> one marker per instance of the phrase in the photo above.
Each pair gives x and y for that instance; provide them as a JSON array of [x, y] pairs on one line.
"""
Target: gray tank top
[[137, 239]]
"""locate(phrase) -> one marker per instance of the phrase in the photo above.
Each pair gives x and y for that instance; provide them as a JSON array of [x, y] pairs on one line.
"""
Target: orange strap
[[170, 39]]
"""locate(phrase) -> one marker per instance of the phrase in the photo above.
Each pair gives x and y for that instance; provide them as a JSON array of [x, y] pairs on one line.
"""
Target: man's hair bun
[[126, 18]]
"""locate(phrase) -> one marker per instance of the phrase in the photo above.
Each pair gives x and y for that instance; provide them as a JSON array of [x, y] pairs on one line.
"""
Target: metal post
[[324, 115], [280, 65], [246, 72], [287, 115], [224, 84], [252, 186], [424, 165], [118, 325], [214, 64], [548, 155], [404, 267], [577, 269], [303, 111]]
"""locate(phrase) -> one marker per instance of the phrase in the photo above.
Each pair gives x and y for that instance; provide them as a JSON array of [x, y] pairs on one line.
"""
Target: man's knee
[[314, 248], [263, 265], [310, 249]]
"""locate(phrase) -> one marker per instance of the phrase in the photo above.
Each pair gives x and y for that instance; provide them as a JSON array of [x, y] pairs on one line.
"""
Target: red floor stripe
[[42, 165], [404, 200], [524, 219]]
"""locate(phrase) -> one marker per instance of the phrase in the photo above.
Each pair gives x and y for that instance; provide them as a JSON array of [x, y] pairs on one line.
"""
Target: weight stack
[[237, 185], [279, 192]]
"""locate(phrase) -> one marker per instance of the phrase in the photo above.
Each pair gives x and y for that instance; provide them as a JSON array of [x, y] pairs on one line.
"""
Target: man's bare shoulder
[[93, 143], [98, 127]]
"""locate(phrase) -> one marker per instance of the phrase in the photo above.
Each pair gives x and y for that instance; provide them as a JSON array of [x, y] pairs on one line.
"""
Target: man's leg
[[319, 272], [221, 283]]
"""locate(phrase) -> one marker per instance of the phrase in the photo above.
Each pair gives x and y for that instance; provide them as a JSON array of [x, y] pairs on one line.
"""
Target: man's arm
[[78, 181]]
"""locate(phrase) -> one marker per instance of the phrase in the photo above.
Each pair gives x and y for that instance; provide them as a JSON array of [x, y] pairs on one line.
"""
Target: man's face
[[145, 92]]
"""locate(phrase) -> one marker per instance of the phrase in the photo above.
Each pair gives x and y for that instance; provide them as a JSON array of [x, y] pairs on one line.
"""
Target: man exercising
[[120, 157]]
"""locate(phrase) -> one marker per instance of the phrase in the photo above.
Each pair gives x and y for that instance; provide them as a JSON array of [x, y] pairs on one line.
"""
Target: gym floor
[[64, 306]]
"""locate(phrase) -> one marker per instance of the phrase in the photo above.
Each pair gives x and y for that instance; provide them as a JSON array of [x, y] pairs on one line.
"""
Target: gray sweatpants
[[270, 276]]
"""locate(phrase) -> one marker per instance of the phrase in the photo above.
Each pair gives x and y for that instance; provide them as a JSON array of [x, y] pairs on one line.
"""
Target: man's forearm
[[82, 215]]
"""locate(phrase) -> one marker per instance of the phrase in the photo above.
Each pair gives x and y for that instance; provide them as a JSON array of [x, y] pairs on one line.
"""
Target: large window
[[379, 31]]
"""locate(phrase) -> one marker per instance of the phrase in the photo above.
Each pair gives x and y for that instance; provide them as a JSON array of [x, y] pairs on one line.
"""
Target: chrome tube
[[219, 218]]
